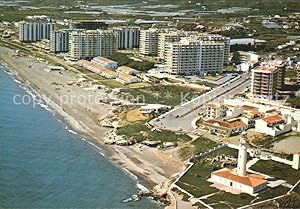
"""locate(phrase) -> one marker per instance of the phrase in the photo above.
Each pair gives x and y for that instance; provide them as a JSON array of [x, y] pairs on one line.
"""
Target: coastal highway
[[181, 117]]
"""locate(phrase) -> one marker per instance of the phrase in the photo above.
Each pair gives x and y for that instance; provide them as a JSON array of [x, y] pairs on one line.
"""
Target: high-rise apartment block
[[193, 56], [264, 82], [267, 79], [128, 37], [35, 31], [149, 42], [280, 65], [92, 43], [220, 39], [172, 36], [59, 41]]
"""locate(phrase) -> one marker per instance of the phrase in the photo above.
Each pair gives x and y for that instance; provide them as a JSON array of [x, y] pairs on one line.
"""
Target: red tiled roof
[[252, 180], [225, 124], [266, 69], [212, 105], [237, 123], [273, 119], [103, 60], [215, 122], [250, 108]]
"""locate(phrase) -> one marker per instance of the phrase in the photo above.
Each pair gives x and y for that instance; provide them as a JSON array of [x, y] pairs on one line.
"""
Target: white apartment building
[[212, 57], [149, 42], [35, 31], [59, 41], [221, 39], [128, 37], [192, 56], [264, 82], [171, 37], [91, 43]]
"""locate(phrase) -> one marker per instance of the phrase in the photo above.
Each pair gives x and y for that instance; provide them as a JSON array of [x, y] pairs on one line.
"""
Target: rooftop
[[213, 105], [224, 124], [265, 69], [273, 119], [252, 180], [249, 108], [103, 60]]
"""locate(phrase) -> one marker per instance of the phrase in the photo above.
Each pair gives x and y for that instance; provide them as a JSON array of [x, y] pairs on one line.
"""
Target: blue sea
[[45, 165]]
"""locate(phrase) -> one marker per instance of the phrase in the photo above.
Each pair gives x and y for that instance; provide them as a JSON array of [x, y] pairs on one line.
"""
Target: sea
[[46, 164]]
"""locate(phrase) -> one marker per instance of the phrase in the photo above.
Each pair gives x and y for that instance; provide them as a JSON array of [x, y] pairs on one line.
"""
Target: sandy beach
[[152, 165]]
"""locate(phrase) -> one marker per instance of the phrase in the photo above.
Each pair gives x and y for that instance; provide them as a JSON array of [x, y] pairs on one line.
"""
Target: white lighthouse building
[[237, 180], [242, 158]]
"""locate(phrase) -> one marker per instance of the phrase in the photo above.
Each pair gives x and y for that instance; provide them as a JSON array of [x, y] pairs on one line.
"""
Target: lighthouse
[[238, 178], [242, 158]]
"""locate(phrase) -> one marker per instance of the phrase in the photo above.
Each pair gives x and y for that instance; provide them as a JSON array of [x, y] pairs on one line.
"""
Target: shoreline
[[136, 162]]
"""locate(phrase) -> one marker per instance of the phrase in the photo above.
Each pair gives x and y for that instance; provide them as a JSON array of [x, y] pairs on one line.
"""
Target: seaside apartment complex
[[92, 43], [149, 42], [59, 41], [171, 36], [35, 30], [192, 56], [128, 37], [218, 39]]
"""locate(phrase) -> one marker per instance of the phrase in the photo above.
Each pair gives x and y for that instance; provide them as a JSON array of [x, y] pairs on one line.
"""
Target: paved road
[[181, 117]]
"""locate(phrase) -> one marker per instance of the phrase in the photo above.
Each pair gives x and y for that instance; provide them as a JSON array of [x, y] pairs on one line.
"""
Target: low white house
[[105, 62], [249, 184], [127, 79], [274, 125], [238, 179], [154, 108], [127, 70]]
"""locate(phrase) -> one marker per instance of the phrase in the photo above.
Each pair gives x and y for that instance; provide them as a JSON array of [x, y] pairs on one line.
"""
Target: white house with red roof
[[238, 180], [274, 125]]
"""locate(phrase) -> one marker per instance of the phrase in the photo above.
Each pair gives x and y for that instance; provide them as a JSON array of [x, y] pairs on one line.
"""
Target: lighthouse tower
[[242, 158]]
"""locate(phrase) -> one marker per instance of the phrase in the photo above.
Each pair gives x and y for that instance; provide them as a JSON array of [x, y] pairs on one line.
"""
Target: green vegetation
[[272, 192], [201, 144], [294, 102], [231, 200], [267, 142], [195, 180], [141, 132], [277, 170], [292, 74], [169, 95], [263, 5], [124, 59]]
